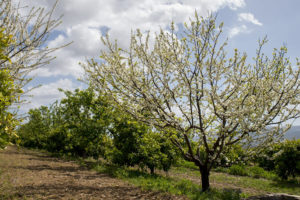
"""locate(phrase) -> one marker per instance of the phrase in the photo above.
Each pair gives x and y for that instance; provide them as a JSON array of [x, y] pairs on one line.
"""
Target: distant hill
[[294, 132]]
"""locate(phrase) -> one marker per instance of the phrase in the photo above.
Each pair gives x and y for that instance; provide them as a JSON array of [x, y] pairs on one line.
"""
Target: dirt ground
[[26, 174]]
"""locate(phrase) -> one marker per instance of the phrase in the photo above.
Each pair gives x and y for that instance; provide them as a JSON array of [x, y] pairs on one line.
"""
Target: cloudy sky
[[84, 21]]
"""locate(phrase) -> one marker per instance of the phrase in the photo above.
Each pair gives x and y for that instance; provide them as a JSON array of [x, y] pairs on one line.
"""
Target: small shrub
[[257, 172], [186, 164], [239, 170]]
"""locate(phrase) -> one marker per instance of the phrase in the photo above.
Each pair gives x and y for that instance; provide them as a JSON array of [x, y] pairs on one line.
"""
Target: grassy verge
[[249, 185], [161, 183]]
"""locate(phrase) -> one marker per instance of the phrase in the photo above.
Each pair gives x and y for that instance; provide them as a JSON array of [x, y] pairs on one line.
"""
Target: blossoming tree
[[188, 85]]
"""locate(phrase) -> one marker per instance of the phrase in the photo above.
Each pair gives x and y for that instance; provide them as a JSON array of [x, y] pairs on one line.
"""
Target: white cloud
[[83, 21], [249, 17], [48, 93], [237, 30]]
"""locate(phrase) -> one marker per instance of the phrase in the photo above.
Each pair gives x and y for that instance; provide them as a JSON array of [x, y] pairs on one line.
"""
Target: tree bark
[[204, 178], [151, 169]]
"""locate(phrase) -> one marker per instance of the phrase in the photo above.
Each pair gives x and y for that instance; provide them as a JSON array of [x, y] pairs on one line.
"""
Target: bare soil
[[27, 174]]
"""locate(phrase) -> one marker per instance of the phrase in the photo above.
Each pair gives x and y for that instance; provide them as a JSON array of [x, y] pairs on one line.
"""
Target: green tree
[[8, 94], [86, 118], [36, 131], [126, 132], [188, 83], [135, 143], [283, 158], [287, 159], [156, 152], [77, 125]]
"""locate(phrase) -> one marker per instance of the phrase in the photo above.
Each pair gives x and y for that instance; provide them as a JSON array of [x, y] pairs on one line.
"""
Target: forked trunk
[[204, 178]]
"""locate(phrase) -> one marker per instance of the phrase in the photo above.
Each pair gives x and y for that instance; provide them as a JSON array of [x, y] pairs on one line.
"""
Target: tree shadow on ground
[[59, 191], [52, 168], [293, 183]]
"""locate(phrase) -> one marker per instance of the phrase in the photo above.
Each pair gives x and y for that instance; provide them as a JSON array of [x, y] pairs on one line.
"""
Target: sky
[[84, 22]]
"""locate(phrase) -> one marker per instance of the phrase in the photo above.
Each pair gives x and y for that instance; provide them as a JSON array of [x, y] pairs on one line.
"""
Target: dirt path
[[26, 174]]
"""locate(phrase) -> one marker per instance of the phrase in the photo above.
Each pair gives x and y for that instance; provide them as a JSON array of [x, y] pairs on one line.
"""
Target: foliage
[[239, 170], [283, 158], [126, 132], [136, 144], [76, 126], [86, 124], [189, 84], [8, 94], [258, 172], [156, 151], [287, 159], [86, 117], [35, 133]]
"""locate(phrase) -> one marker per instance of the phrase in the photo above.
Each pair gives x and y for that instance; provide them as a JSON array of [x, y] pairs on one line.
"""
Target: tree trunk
[[204, 178], [151, 169]]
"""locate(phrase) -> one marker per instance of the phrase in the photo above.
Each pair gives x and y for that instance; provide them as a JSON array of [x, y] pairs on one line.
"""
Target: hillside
[[294, 132]]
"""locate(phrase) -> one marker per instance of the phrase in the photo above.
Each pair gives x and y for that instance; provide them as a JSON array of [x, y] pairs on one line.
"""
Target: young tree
[[188, 84]]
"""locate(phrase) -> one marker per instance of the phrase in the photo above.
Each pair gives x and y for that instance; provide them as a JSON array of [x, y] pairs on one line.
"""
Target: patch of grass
[[239, 170], [183, 164], [160, 183], [249, 185], [221, 169], [258, 172], [251, 171]]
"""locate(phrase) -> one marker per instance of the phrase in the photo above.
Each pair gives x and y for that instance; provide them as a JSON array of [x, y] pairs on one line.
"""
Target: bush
[[258, 172], [239, 170], [136, 144], [287, 160], [75, 126], [283, 158]]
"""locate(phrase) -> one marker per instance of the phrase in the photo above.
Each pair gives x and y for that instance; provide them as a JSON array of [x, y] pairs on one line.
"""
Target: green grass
[[252, 186], [251, 171], [170, 185]]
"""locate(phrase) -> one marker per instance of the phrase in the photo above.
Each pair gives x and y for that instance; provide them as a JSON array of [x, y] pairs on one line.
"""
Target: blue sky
[[245, 21]]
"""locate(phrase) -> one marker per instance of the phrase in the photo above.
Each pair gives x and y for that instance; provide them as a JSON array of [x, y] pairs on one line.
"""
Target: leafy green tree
[[8, 94], [188, 83], [125, 133], [86, 118], [77, 125], [36, 131], [287, 159], [135, 143], [156, 152], [283, 158]]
